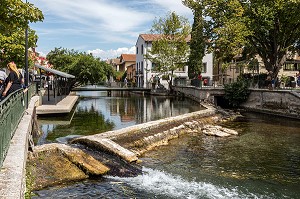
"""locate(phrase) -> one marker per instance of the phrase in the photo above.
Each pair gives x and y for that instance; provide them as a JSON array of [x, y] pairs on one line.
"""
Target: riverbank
[[12, 175]]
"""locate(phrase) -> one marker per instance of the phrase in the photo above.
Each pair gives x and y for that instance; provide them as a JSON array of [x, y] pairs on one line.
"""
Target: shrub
[[237, 92]]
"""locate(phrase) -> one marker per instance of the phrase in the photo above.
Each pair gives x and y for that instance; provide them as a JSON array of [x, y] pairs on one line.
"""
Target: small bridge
[[110, 89]]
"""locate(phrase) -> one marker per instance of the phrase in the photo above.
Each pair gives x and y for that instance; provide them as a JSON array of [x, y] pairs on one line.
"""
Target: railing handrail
[[12, 109]]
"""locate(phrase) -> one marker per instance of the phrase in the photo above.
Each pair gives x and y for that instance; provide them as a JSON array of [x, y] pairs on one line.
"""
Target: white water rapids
[[170, 186]]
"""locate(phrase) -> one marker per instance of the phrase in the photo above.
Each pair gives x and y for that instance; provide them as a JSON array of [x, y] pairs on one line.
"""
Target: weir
[[128, 143], [111, 149]]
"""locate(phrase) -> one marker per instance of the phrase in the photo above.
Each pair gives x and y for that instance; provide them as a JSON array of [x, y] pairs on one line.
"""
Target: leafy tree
[[198, 39], [14, 18], [62, 58], [170, 51], [268, 28], [88, 69], [85, 67]]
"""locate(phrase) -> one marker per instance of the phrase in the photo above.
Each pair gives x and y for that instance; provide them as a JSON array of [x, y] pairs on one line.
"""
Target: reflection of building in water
[[142, 109], [123, 108]]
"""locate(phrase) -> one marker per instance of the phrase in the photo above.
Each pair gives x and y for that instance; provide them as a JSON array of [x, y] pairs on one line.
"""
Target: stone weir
[[53, 164], [129, 143]]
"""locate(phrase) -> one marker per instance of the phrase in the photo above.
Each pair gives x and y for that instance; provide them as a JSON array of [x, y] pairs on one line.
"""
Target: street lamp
[[26, 54]]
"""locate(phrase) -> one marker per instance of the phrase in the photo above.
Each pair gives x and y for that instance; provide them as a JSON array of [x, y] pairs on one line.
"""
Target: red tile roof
[[128, 57]]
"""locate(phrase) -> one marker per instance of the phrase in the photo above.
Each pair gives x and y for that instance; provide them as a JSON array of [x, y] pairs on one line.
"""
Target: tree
[[62, 58], [171, 50], [14, 18], [269, 28], [198, 39], [85, 67]]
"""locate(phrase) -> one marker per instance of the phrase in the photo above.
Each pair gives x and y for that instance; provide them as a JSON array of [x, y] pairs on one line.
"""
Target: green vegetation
[[198, 40], [171, 50], [237, 92], [15, 16], [269, 28], [85, 67]]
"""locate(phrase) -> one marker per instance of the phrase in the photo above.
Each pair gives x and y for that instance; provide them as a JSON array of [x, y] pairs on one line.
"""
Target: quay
[[63, 106]]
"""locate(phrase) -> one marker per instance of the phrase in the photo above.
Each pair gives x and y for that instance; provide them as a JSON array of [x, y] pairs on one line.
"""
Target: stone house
[[127, 60], [290, 69]]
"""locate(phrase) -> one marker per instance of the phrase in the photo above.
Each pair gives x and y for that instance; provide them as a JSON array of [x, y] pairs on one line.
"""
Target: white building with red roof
[[145, 69]]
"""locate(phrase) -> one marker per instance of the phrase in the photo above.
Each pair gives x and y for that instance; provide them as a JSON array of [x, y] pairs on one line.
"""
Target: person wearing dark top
[[14, 80]]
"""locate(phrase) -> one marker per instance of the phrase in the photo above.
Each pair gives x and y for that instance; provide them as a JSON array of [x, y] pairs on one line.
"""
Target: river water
[[263, 161]]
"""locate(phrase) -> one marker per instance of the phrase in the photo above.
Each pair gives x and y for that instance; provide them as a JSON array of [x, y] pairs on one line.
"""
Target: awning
[[56, 72]]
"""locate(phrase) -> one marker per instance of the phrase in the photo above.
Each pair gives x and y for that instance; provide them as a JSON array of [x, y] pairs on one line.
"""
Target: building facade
[[145, 69]]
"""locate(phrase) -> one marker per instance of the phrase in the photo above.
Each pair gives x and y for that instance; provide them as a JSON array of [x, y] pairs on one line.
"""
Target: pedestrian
[[298, 79], [273, 82], [14, 80], [152, 82], [3, 77], [125, 82], [200, 79]]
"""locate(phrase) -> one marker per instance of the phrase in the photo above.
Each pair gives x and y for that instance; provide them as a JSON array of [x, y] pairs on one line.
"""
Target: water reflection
[[96, 113]]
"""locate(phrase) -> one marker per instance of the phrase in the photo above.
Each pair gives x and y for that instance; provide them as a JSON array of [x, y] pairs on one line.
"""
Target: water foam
[[161, 183]]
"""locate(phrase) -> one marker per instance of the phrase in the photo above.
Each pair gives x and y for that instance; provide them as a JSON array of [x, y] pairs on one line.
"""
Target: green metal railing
[[12, 109]]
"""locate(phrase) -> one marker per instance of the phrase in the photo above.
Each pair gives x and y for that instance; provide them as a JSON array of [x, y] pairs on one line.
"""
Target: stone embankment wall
[[279, 102], [200, 94]]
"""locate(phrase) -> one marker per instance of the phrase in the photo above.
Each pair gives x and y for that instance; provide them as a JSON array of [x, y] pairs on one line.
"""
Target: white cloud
[[108, 54], [98, 14], [172, 5], [98, 24]]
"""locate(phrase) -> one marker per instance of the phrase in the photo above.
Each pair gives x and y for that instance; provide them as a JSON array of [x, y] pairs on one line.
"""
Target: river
[[263, 161]]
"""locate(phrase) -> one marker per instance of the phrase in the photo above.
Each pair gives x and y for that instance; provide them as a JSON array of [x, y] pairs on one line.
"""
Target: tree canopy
[[268, 28], [15, 16], [170, 51], [198, 40], [85, 67]]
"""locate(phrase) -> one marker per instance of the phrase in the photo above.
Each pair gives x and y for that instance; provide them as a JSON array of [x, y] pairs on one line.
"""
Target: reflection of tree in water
[[85, 122]]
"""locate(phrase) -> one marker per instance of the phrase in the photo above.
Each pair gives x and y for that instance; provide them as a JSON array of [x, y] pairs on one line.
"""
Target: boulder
[[53, 164], [215, 130]]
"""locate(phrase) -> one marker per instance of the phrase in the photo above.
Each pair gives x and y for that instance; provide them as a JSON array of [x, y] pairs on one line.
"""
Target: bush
[[237, 92]]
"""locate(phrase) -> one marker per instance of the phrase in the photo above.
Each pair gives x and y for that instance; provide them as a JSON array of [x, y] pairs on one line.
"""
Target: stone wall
[[278, 102], [200, 94]]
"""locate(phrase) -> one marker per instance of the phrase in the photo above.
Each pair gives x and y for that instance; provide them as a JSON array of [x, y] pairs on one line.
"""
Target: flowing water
[[263, 161]]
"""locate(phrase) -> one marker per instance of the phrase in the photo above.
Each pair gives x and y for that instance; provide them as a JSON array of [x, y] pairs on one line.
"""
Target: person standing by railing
[[3, 77], [14, 80]]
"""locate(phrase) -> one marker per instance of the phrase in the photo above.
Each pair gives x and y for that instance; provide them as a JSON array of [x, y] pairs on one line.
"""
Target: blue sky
[[105, 28]]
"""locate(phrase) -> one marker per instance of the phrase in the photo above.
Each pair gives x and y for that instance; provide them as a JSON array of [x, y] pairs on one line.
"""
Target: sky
[[105, 28]]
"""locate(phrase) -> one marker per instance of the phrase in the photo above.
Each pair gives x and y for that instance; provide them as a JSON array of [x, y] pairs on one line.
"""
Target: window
[[137, 50], [204, 68], [180, 69], [142, 66], [142, 49], [154, 67], [291, 67]]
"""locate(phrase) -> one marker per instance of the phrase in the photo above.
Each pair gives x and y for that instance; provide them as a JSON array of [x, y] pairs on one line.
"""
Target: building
[[290, 69], [115, 63], [127, 60], [145, 69]]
